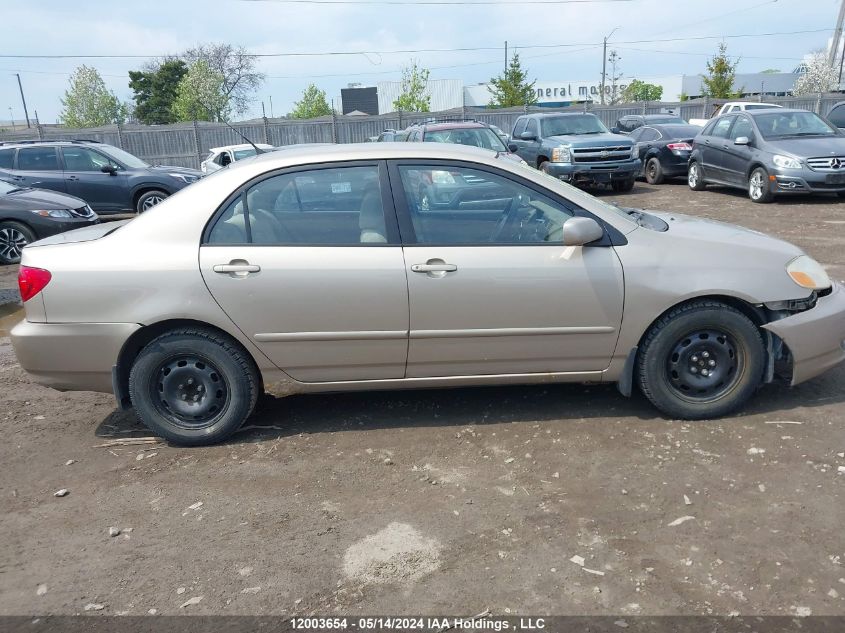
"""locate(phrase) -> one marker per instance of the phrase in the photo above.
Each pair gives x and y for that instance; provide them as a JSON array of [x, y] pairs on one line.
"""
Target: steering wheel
[[509, 216]]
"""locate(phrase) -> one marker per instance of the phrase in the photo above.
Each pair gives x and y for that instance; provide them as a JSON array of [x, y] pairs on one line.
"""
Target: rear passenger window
[[339, 206], [38, 159], [7, 158]]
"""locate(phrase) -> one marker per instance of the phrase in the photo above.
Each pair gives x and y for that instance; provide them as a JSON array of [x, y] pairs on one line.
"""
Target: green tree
[[312, 104], [414, 96], [88, 103], [718, 83], [512, 87], [641, 91], [155, 91], [200, 95]]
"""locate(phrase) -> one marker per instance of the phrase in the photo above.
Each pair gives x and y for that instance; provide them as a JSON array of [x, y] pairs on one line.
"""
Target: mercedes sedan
[[323, 268]]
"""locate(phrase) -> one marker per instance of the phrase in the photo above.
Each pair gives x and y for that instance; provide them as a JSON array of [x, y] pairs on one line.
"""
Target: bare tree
[[237, 67], [615, 75]]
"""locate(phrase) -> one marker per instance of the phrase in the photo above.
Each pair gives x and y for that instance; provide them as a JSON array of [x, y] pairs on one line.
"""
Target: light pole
[[604, 61], [12, 117]]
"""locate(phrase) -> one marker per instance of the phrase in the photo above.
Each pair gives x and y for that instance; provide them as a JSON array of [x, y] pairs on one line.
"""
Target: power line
[[438, 2], [434, 50]]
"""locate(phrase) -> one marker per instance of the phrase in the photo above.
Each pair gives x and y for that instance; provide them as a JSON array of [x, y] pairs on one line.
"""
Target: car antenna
[[254, 146]]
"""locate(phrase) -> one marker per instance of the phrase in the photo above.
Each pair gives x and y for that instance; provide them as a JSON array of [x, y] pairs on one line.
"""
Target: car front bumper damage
[[815, 337], [595, 172]]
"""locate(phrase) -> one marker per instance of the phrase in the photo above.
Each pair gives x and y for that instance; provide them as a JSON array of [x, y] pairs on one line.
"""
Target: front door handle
[[434, 268], [73, 177], [237, 268]]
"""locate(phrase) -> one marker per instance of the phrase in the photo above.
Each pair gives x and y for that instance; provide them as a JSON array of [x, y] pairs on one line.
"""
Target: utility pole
[[506, 53], [604, 60], [263, 113], [12, 118], [271, 107], [837, 35], [26, 114]]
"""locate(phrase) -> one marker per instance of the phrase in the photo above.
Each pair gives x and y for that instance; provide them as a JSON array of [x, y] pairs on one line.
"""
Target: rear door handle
[[237, 268], [434, 268], [73, 177]]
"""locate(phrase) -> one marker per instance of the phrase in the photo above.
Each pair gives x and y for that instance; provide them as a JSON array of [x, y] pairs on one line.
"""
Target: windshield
[[7, 187], [244, 153], [787, 124], [133, 162], [573, 124], [760, 106], [479, 137]]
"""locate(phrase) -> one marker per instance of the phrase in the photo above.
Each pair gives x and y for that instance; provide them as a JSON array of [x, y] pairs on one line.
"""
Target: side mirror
[[109, 169], [579, 231], [512, 148], [528, 136], [742, 140], [615, 130]]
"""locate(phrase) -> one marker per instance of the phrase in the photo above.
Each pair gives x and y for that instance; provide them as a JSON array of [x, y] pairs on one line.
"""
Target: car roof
[[756, 112], [651, 117], [48, 142], [239, 146], [549, 115], [454, 125]]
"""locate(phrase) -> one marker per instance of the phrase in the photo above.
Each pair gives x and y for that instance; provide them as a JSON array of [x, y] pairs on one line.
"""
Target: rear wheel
[[695, 177], [654, 172], [758, 186], [702, 360], [13, 237], [622, 186], [149, 199], [193, 387]]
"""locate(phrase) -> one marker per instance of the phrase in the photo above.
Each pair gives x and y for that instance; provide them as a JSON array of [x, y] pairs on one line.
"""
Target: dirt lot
[[440, 501]]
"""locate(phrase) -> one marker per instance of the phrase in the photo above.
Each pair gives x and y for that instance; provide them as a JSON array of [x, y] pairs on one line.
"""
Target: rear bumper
[[595, 172], [71, 356], [816, 337]]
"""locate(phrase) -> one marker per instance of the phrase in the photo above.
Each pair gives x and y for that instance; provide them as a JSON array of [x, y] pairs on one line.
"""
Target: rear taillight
[[31, 281], [679, 147]]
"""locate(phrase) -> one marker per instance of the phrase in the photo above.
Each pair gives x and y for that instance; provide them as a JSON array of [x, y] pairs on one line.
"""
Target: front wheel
[[695, 177], [621, 186], [193, 386], [149, 199], [701, 360], [13, 237], [758, 186]]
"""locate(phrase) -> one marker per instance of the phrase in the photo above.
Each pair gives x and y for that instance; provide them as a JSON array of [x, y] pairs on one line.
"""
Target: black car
[[27, 215], [631, 122], [664, 150], [108, 178]]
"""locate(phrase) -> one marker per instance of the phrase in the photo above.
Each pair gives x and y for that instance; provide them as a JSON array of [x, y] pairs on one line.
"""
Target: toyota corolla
[[405, 265]]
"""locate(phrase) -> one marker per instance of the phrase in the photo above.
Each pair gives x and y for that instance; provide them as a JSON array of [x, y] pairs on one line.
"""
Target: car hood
[[28, 199], [809, 146], [591, 140], [177, 170], [695, 228]]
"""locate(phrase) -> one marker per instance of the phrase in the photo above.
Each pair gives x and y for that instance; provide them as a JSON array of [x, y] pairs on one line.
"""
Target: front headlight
[[186, 178], [786, 162], [561, 154], [808, 273], [635, 153], [52, 213]]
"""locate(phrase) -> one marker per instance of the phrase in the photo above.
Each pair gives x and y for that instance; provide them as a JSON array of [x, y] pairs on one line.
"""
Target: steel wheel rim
[[651, 170], [189, 391], [755, 186], [704, 365], [12, 242], [150, 202], [692, 178]]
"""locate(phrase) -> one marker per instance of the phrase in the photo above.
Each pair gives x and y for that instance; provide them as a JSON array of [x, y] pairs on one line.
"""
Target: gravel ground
[[552, 499]]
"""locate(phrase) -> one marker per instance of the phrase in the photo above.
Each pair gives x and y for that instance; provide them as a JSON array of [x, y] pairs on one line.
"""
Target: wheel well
[[541, 160], [22, 223], [754, 166], [140, 339]]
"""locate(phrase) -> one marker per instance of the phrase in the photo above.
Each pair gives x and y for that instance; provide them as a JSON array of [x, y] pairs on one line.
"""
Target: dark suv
[[109, 179]]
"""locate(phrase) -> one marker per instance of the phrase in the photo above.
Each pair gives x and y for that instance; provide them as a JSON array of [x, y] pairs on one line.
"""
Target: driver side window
[[462, 205]]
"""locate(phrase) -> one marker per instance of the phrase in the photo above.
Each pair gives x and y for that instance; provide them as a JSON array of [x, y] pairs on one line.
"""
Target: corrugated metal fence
[[185, 144]]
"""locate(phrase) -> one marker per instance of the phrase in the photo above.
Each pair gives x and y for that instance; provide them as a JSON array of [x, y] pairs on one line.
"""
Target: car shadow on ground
[[329, 413]]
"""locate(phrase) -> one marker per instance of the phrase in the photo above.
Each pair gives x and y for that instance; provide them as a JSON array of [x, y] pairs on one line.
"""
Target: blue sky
[[156, 27]]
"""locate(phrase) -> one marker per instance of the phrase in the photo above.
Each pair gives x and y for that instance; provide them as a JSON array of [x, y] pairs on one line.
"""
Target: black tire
[[841, 194], [13, 237], [544, 167], [654, 172], [149, 199], [622, 186], [701, 360], [758, 188], [225, 386], [695, 177]]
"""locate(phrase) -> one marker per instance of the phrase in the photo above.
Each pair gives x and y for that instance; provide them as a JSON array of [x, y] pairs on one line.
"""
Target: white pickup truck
[[734, 106]]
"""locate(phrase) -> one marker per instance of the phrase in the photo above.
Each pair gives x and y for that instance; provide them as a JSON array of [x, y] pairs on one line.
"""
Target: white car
[[734, 106], [220, 157]]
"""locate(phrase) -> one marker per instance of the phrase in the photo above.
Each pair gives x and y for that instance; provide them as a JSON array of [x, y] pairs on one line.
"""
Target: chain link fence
[[186, 144]]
